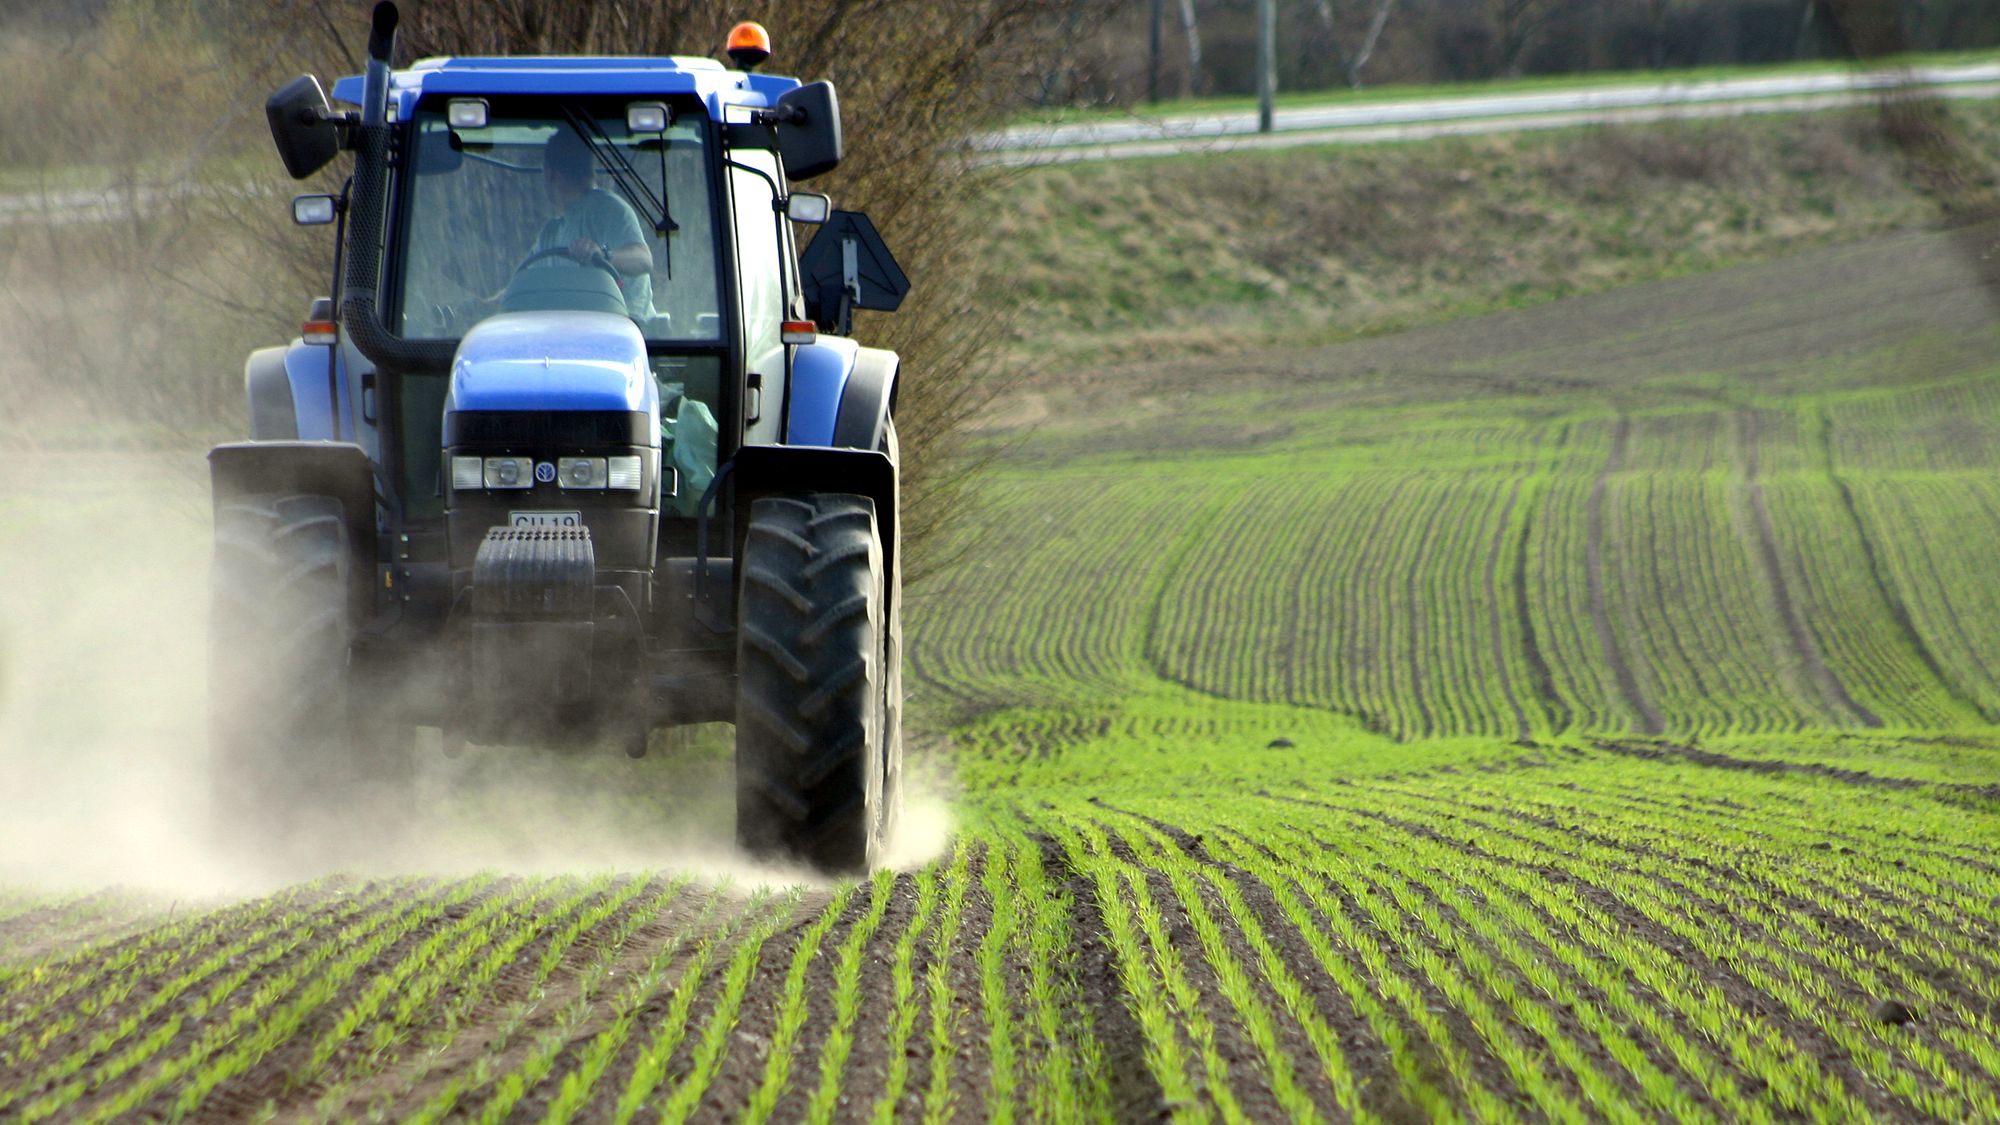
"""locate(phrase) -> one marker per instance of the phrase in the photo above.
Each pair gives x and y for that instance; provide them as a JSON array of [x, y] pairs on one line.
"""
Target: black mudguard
[[308, 468], [787, 470], [865, 403]]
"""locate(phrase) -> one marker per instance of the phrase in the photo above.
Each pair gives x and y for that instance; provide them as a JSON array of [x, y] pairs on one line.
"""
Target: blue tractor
[[575, 451]]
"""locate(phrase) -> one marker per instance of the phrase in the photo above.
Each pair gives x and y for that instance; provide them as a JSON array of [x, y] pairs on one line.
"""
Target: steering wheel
[[601, 260]]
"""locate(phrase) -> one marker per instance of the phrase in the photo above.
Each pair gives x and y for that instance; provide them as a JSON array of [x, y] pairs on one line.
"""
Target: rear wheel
[[813, 722]]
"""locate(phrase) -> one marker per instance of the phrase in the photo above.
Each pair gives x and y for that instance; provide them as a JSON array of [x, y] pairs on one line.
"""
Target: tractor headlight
[[580, 472], [624, 472], [510, 472], [467, 473]]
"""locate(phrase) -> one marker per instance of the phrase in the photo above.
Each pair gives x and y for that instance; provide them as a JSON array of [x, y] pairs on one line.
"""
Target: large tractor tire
[[280, 745], [814, 733]]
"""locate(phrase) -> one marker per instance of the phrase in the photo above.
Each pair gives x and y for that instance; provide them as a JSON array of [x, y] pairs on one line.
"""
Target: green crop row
[[1603, 936]]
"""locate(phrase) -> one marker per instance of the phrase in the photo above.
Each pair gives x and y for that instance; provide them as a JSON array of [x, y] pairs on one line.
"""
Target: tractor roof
[[661, 76]]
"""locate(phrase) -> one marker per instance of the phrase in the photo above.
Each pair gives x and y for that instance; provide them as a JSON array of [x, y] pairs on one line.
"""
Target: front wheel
[[278, 656], [814, 725]]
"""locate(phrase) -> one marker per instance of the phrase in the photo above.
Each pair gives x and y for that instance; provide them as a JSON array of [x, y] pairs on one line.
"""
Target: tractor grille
[[583, 430]]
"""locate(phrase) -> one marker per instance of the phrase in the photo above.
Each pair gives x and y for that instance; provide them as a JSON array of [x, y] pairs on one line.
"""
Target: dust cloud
[[103, 744], [103, 557]]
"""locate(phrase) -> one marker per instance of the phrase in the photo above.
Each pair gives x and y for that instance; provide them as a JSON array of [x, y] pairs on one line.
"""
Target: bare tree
[[1516, 23], [1353, 67], [1352, 62], [1193, 33]]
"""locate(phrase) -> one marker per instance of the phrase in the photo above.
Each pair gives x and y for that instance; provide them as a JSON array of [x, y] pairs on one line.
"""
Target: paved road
[[1416, 119]]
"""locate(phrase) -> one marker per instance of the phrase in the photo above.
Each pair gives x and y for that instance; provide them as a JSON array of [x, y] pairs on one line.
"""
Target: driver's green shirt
[[610, 222]]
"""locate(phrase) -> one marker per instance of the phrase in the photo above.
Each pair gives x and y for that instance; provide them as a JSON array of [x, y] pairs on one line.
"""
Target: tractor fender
[[840, 394], [340, 470], [787, 470], [268, 387], [867, 399], [287, 389]]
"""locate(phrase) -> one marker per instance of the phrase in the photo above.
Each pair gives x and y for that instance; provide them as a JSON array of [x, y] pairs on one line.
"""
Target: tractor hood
[[554, 361]]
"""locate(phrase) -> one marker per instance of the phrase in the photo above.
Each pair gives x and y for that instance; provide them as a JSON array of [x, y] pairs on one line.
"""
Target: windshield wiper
[[630, 184]]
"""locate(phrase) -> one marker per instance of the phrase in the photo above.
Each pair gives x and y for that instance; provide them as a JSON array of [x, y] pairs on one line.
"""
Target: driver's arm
[[633, 260], [629, 260], [631, 257]]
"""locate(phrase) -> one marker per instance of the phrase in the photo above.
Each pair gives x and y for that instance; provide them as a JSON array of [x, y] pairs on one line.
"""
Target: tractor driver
[[591, 221]]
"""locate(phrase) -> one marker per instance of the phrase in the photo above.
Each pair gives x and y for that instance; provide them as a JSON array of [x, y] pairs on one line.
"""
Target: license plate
[[544, 519]]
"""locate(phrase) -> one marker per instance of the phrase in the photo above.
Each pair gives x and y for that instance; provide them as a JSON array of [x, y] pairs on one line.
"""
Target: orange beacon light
[[749, 44]]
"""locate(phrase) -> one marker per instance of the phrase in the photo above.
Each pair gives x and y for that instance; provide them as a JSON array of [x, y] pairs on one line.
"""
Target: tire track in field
[[1184, 544], [1650, 721], [1558, 712], [1160, 666], [1664, 751], [1967, 644], [1427, 724], [1523, 731], [1833, 694], [1898, 609]]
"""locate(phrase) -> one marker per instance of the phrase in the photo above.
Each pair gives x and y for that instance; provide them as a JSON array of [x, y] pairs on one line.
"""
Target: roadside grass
[[1123, 261]]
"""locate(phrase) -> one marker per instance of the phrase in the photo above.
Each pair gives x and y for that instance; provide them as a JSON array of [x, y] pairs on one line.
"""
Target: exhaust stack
[[375, 81], [358, 312]]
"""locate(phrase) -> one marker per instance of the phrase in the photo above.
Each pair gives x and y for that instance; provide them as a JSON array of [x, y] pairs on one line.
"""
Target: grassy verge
[[1202, 253]]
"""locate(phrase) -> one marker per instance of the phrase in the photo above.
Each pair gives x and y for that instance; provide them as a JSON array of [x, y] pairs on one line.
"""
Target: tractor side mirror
[[314, 210], [808, 124], [808, 207], [301, 126]]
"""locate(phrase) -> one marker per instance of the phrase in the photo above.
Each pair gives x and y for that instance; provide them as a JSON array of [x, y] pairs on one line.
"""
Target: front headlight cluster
[[469, 473]]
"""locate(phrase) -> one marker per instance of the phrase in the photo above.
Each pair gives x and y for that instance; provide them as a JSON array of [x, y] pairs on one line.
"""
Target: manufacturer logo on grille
[[545, 471]]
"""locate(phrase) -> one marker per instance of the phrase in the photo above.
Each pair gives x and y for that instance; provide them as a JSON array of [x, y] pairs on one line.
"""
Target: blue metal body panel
[[661, 76], [819, 376], [554, 361], [305, 369]]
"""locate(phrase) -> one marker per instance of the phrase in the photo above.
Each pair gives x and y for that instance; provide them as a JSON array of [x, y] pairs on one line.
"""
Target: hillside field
[[1579, 713]]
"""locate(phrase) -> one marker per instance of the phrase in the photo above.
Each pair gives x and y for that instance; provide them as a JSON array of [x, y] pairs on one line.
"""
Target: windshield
[[559, 208]]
